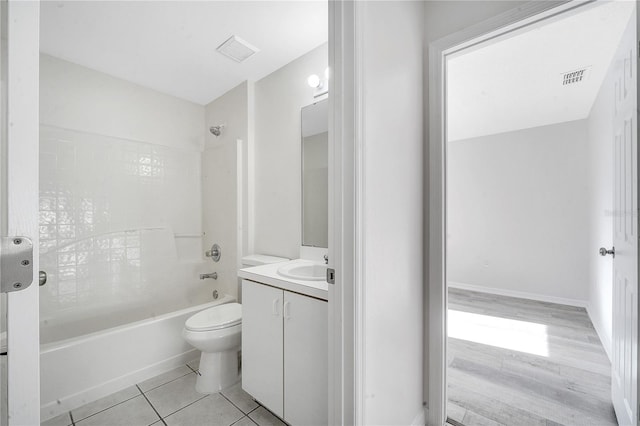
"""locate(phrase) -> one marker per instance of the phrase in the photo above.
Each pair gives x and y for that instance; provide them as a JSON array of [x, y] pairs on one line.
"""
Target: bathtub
[[88, 366]]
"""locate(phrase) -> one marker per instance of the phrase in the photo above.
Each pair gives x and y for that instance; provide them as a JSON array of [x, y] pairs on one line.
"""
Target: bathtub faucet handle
[[214, 253], [213, 275]]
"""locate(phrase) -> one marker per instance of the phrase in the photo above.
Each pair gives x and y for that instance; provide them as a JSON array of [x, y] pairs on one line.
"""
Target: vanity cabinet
[[284, 352], [262, 345]]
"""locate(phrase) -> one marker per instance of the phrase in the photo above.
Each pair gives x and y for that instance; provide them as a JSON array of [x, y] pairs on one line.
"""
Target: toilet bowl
[[216, 333]]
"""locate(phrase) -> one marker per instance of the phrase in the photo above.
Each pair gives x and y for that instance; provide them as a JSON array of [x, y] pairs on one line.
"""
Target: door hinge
[[16, 263], [331, 275]]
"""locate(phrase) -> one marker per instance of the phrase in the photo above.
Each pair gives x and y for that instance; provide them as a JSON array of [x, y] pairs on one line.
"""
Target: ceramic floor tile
[[213, 410], [174, 395], [104, 403], [263, 417], [61, 420], [134, 412], [245, 421], [240, 398], [163, 378]]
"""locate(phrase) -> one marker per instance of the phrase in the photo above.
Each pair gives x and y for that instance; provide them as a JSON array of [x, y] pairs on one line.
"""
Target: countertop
[[268, 274]]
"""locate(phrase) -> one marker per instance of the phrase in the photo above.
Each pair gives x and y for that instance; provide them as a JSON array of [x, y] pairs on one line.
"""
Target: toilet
[[216, 332]]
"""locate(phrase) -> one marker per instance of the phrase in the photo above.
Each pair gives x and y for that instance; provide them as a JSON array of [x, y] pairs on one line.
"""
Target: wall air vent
[[575, 76], [237, 49]]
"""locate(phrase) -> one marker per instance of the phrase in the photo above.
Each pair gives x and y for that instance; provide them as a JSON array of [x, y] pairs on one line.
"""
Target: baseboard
[[606, 343], [71, 402], [520, 294]]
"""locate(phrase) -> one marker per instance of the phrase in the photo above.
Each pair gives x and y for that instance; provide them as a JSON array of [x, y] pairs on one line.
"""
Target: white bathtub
[[82, 369]]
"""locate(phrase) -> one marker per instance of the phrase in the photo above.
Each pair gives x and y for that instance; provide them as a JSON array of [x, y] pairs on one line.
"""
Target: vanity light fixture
[[321, 86], [314, 81]]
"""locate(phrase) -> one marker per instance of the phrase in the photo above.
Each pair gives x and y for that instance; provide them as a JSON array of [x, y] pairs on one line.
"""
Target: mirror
[[315, 174]]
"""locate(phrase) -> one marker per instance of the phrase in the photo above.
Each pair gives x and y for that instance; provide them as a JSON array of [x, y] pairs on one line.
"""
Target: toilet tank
[[260, 259]]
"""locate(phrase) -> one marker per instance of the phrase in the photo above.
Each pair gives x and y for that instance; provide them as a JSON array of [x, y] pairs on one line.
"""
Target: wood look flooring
[[559, 376]]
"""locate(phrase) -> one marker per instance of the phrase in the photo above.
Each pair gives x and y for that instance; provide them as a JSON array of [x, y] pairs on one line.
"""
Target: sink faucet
[[213, 275]]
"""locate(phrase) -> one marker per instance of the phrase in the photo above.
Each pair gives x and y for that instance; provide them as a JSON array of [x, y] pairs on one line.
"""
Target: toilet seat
[[216, 318]]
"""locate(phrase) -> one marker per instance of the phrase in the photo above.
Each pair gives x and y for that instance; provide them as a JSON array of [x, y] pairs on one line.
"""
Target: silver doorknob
[[42, 278], [604, 251]]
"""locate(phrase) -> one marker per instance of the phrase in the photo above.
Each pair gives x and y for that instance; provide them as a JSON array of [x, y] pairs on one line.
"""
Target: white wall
[[120, 193], [222, 183], [279, 98], [600, 180], [518, 212], [393, 205], [78, 98]]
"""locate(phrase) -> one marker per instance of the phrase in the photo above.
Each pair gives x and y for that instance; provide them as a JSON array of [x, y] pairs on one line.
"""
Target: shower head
[[216, 130]]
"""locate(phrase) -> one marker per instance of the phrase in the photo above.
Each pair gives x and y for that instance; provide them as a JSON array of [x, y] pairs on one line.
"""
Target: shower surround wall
[[120, 199], [225, 177]]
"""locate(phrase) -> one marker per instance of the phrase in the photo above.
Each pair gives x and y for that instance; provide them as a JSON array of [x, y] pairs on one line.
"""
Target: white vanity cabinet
[[262, 344], [284, 352]]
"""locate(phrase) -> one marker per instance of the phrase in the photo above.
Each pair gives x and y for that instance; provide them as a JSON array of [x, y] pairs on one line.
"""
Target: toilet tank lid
[[221, 316], [261, 259]]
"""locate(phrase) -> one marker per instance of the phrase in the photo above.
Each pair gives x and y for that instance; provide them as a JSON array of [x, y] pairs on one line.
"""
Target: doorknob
[[604, 251], [42, 278]]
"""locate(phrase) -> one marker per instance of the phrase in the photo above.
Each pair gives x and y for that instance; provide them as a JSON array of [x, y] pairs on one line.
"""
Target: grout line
[[105, 409], [188, 405], [165, 383], [241, 410], [242, 418], [152, 407], [73, 422], [195, 371]]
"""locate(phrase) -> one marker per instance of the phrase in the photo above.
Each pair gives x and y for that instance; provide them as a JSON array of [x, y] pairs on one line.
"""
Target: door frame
[[508, 22], [20, 205], [346, 236]]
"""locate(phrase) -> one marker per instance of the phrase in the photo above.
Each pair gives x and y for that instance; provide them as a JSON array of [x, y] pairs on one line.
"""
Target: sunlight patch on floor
[[521, 336]]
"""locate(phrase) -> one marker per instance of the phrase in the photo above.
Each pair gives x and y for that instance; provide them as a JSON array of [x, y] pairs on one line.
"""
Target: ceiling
[[515, 82], [170, 46]]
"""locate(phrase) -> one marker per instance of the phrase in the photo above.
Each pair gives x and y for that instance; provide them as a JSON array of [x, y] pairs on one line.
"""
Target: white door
[[306, 357], [625, 234], [262, 340], [19, 204]]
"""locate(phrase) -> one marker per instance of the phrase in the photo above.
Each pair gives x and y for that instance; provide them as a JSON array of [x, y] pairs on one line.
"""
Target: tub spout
[[213, 275]]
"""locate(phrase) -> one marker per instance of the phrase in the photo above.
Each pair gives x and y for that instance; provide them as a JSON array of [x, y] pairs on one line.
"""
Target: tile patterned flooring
[[170, 399], [568, 383]]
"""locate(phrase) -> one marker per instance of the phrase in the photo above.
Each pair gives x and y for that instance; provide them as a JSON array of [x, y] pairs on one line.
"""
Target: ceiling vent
[[237, 49], [575, 76]]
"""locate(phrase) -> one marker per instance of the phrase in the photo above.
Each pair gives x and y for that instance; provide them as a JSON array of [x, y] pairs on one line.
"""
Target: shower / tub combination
[[121, 237]]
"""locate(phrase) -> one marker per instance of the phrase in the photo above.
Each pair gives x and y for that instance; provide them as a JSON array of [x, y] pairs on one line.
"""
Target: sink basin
[[307, 271]]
